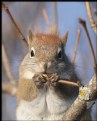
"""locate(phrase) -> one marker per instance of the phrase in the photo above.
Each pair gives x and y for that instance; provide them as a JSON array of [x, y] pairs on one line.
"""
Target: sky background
[[29, 14]]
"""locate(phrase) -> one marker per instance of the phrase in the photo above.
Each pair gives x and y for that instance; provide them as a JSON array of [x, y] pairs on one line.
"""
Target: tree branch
[[92, 23], [6, 66], [76, 46], [69, 83], [5, 8], [46, 17], [86, 94], [9, 89], [83, 23]]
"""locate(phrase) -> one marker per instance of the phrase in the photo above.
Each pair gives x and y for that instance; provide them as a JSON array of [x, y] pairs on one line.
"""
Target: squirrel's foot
[[39, 80], [54, 80]]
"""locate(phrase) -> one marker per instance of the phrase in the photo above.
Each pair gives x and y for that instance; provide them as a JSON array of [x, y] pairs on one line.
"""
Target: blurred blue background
[[29, 14]]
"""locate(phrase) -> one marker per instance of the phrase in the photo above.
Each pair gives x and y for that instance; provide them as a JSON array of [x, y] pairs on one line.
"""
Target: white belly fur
[[47, 106]]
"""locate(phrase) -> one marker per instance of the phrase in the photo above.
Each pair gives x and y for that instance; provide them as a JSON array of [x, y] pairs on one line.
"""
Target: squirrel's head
[[46, 47]]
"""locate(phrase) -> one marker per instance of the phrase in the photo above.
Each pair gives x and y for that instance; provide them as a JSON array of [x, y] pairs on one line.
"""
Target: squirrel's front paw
[[54, 80], [39, 80]]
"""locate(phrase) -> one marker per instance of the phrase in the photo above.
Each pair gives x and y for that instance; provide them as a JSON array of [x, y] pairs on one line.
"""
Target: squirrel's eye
[[32, 52], [59, 53]]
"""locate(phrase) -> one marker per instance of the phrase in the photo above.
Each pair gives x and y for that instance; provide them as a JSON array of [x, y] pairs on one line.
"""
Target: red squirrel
[[40, 97]]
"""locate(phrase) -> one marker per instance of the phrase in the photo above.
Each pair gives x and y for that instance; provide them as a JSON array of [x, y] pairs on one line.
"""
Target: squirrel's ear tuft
[[30, 36], [64, 38]]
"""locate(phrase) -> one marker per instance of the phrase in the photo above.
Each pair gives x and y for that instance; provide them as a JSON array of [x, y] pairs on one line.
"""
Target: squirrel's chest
[[45, 107], [31, 110]]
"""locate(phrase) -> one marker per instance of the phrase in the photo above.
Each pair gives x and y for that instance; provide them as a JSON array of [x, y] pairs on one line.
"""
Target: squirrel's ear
[[64, 38], [30, 36]]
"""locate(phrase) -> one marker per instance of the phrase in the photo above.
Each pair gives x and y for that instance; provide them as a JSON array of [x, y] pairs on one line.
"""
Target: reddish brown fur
[[49, 38]]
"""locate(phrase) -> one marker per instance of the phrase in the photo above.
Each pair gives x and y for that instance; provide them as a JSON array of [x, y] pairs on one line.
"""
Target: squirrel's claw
[[54, 79], [39, 80]]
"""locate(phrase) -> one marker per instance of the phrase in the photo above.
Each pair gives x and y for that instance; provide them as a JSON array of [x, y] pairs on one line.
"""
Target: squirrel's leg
[[27, 89], [30, 88]]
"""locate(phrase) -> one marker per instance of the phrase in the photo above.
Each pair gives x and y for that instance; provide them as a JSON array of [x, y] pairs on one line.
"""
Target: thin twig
[[5, 8], [92, 23], [76, 46], [6, 66], [83, 23], [9, 89], [55, 16], [68, 83], [46, 17]]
